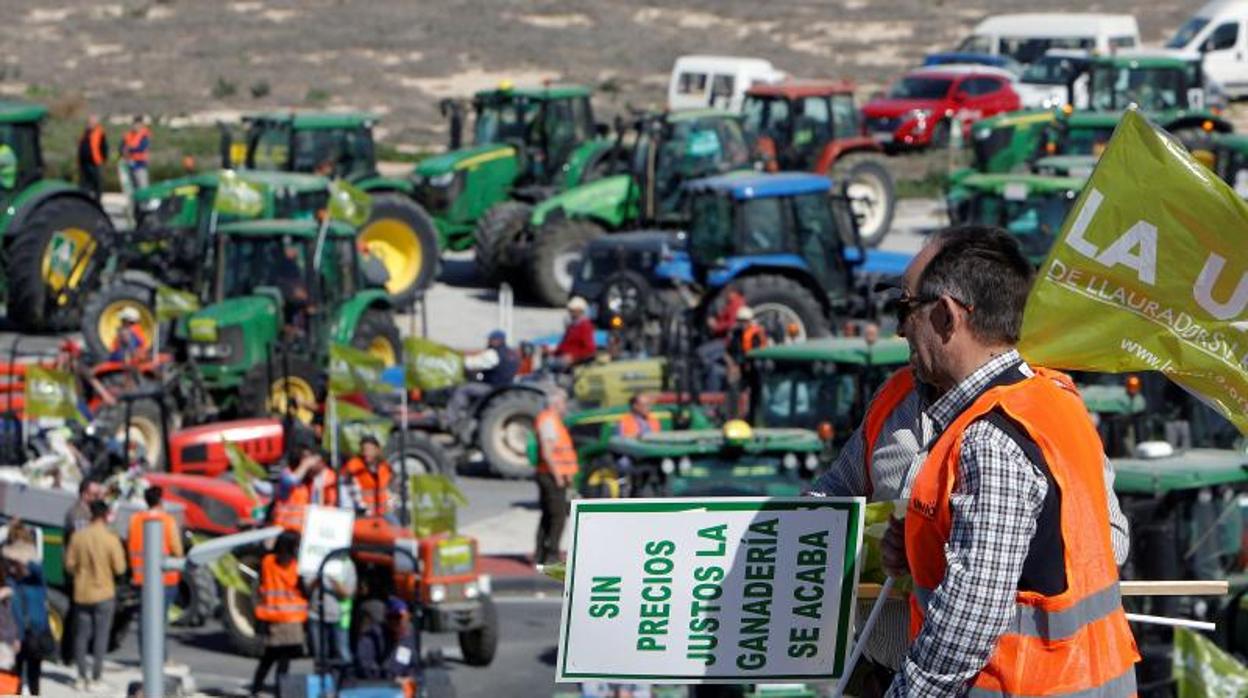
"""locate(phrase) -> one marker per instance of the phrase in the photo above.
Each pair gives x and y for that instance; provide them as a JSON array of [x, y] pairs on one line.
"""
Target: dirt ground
[[201, 61]]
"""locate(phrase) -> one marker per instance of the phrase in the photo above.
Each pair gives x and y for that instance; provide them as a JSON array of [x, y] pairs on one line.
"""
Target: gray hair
[[982, 268]]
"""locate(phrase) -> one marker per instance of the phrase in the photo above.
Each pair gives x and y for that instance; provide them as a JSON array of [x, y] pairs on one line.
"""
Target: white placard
[[325, 529], [728, 590]]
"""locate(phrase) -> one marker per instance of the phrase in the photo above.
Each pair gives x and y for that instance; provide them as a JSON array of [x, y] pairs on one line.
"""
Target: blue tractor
[[788, 242]]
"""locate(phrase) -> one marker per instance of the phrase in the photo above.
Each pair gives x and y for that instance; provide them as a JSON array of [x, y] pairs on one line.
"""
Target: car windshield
[[1152, 89], [920, 88], [1187, 32], [252, 262], [501, 120], [1051, 70], [1034, 221]]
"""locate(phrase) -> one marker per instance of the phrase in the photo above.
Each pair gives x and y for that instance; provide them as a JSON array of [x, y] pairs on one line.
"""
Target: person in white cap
[[577, 345], [746, 336], [131, 342]]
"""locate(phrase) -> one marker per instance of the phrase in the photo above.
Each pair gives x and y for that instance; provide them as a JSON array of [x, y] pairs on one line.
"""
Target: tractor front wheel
[[872, 197], [784, 308], [292, 384], [101, 314], [377, 334], [52, 258], [144, 428], [497, 230], [402, 236], [238, 615], [503, 434], [557, 257], [479, 646]]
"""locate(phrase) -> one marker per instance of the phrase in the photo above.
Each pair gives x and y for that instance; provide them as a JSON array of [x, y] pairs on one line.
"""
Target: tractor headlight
[[470, 590], [437, 593], [442, 180], [668, 466], [211, 352], [790, 461], [685, 465], [812, 461]]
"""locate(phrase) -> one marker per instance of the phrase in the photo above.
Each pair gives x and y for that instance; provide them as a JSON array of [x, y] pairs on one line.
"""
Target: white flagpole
[[861, 644]]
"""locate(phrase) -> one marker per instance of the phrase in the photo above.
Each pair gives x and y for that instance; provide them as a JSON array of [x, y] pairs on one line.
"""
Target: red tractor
[[815, 125]]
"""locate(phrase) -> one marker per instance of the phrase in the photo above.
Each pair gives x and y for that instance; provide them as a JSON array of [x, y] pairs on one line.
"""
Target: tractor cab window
[[278, 262], [693, 149], [798, 397], [818, 240], [269, 146], [340, 152], [1153, 89], [811, 126], [564, 123], [761, 226], [501, 120], [710, 230], [23, 142], [338, 270], [1084, 141], [845, 117], [1033, 221]]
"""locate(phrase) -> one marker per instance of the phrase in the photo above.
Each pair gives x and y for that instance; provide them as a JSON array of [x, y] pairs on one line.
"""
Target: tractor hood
[[235, 334], [462, 159], [709, 442], [601, 198], [1193, 469]]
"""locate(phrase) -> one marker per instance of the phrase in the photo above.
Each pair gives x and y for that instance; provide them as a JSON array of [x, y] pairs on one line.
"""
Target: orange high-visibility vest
[[135, 545], [280, 601], [95, 139], [133, 142], [322, 491], [10, 683], [374, 489], [1071, 642], [892, 393], [558, 454], [630, 425], [753, 336]]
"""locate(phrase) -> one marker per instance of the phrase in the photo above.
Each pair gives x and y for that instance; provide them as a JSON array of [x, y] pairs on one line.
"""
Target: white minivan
[[1027, 37], [716, 81], [1217, 31]]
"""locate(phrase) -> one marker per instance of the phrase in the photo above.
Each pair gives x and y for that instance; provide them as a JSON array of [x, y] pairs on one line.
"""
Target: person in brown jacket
[[95, 558]]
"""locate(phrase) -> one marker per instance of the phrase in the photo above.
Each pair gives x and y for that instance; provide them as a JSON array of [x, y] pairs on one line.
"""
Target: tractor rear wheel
[[505, 427], [784, 307], [403, 237], [377, 334], [58, 624], [557, 257], [496, 231], [266, 391], [52, 259], [198, 596], [238, 615], [873, 198], [421, 455], [144, 427], [101, 314]]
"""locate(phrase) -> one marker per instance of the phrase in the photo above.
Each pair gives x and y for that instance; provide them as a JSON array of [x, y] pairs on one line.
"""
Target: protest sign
[[325, 529], [1149, 273], [50, 393], [727, 590]]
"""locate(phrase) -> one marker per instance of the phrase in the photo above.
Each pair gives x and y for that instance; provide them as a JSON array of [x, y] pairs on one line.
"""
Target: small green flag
[[429, 365], [245, 470], [1204, 670], [348, 203], [238, 197], [354, 422], [172, 304], [51, 393], [353, 370], [434, 502]]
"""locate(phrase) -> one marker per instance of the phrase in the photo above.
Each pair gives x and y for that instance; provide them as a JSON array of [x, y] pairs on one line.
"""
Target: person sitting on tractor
[[639, 420], [577, 345], [711, 352], [293, 284], [494, 366], [369, 477], [69, 359], [310, 481], [131, 344], [388, 647]]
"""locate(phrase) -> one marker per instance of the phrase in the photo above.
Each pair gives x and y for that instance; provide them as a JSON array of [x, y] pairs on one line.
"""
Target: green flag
[[51, 393], [354, 422], [348, 203], [172, 303], [1204, 670], [434, 501], [238, 197], [354, 370], [245, 470], [429, 365], [1149, 273]]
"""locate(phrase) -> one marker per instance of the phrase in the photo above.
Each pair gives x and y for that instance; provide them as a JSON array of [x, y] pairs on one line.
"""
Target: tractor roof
[[317, 119], [1018, 186], [284, 227], [1187, 470], [292, 181], [796, 89], [1016, 118], [538, 92], [1093, 119], [842, 350], [710, 442], [682, 115], [14, 112], [752, 185]]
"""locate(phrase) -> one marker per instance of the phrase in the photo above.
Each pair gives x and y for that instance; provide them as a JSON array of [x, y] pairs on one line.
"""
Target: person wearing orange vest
[[311, 482], [1007, 531], [92, 154], [171, 545], [370, 475], [131, 344], [639, 420], [281, 610], [746, 336], [135, 147], [556, 467]]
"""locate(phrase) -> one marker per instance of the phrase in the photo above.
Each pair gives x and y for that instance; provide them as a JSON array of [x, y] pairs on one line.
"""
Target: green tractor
[[173, 242], [52, 229], [282, 293], [1030, 207], [667, 150], [527, 144], [399, 232]]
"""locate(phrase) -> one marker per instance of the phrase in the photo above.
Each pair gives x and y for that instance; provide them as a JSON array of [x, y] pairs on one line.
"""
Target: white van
[[1217, 31], [716, 81], [1027, 37]]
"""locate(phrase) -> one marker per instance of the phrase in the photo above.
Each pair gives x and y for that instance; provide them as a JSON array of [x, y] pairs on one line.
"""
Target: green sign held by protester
[[238, 197], [1149, 273], [348, 203], [51, 394], [354, 423], [172, 304], [429, 365], [354, 370]]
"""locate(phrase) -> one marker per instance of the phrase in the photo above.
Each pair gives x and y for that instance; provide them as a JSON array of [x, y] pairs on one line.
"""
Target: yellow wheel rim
[[66, 258], [296, 392], [608, 478], [56, 624], [145, 433], [110, 320], [398, 248], [381, 348]]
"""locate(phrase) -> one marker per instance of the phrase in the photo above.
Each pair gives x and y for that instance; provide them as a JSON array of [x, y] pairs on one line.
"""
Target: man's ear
[[945, 317]]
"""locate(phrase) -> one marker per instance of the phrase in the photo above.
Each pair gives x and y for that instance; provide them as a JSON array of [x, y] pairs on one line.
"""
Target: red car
[[921, 106]]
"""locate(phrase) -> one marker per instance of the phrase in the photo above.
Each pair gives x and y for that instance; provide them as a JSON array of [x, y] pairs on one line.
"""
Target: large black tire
[[873, 197], [505, 426], [262, 393], [35, 277], [479, 646], [403, 236], [787, 302], [100, 313], [238, 617], [377, 334], [145, 427], [556, 258], [198, 596], [59, 623], [493, 237]]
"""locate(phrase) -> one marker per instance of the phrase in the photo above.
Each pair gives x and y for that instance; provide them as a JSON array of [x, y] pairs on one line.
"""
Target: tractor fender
[[140, 278], [789, 266], [484, 402], [31, 198], [581, 159], [604, 201], [839, 148], [385, 185], [352, 310], [1197, 119]]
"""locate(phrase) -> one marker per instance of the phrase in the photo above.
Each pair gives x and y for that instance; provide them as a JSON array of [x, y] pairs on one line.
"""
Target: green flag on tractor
[[245, 470], [353, 370], [354, 422], [238, 197], [172, 304], [51, 393], [1149, 273], [434, 501], [1204, 670], [429, 365], [348, 203]]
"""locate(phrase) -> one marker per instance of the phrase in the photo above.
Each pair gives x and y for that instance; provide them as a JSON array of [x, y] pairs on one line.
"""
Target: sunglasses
[[907, 304]]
